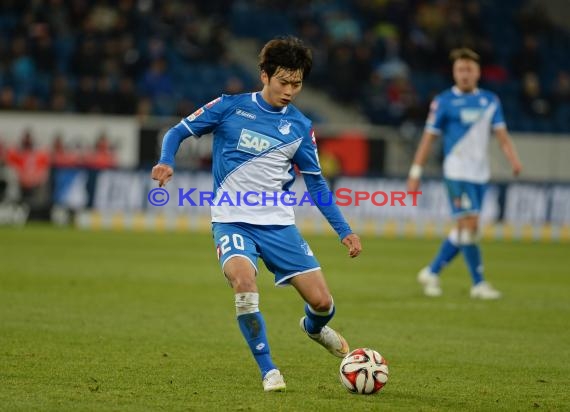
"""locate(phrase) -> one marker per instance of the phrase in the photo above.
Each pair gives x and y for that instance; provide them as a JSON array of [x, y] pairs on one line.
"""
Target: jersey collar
[[263, 105], [456, 91]]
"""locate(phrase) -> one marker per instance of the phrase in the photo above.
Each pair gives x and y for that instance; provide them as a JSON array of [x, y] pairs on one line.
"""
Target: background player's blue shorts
[[465, 198], [282, 248]]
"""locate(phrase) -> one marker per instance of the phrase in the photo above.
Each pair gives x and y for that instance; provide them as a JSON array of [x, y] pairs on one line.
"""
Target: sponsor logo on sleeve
[[196, 114], [313, 137], [432, 109], [213, 102]]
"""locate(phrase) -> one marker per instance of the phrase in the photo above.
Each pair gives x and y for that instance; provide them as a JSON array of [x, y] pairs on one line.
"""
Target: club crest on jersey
[[245, 114], [284, 127], [255, 143], [195, 114]]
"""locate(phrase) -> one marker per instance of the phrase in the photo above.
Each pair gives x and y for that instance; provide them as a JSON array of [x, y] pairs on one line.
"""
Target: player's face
[[466, 74], [282, 87]]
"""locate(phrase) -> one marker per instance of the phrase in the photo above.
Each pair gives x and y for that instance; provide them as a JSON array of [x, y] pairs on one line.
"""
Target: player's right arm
[[162, 173], [434, 125], [201, 122], [420, 158], [164, 170]]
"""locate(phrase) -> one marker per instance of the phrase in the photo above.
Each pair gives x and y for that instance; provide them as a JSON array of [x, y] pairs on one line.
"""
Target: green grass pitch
[[123, 321]]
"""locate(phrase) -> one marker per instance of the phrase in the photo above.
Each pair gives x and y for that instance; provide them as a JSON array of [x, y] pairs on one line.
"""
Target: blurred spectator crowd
[[390, 57], [387, 58], [111, 57]]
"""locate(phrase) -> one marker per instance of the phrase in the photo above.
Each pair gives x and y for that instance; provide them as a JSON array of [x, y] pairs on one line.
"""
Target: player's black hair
[[288, 52], [464, 53]]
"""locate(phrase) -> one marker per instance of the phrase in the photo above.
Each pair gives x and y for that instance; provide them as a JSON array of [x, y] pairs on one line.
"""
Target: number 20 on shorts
[[236, 241]]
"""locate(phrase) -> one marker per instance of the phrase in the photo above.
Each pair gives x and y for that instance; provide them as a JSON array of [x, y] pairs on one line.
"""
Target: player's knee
[[468, 236], [322, 305], [240, 273], [454, 236], [242, 283], [470, 222]]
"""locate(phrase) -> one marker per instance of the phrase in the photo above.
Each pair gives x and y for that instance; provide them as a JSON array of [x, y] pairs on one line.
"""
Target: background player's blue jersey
[[465, 121], [255, 147]]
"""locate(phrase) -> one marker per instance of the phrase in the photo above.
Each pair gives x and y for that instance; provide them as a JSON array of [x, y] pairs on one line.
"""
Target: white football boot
[[329, 338], [430, 282], [485, 291], [273, 381]]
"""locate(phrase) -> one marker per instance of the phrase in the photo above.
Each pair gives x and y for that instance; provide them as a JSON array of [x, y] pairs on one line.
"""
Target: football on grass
[[364, 371]]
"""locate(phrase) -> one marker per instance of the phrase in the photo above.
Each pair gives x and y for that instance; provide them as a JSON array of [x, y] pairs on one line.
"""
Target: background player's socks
[[315, 321], [472, 255], [447, 252]]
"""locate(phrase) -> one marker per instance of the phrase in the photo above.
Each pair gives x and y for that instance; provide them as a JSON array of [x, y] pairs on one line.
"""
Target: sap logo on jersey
[[470, 115], [255, 143]]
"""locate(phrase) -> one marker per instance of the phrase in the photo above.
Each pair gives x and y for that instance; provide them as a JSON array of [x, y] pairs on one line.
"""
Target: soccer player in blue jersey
[[258, 138], [464, 116]]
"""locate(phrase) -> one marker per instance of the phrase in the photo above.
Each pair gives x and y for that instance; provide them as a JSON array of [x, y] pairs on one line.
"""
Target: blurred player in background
[[464, 116], [258, 138]]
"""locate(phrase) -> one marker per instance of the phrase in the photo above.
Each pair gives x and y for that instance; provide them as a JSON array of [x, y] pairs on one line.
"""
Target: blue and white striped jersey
[[255, 148], [465, 121]]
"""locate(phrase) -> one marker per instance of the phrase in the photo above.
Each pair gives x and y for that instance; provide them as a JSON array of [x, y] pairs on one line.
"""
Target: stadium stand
[[386, 58]]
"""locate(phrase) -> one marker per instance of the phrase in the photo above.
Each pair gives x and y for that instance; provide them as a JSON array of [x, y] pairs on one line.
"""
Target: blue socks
[[252, 327], [315, 321], [472, 256], [466, 242], [447, 252]]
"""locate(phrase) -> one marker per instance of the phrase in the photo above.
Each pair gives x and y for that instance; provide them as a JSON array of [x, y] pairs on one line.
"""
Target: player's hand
[[163, 173], [413, 184], [352, 242], [517, 168]]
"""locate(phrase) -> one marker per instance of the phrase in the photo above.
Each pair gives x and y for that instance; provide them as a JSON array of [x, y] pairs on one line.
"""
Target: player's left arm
[[307, 159], [509, 150], [505, 142], [164, 169], [324, 199]]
